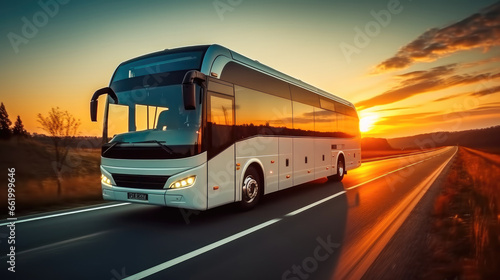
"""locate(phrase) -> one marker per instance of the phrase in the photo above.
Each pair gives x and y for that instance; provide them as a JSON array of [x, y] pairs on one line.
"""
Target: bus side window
[[221, 122]]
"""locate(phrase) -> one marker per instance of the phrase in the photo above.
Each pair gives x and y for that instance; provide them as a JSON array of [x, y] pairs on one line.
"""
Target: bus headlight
[[184, 183], [105, 180]]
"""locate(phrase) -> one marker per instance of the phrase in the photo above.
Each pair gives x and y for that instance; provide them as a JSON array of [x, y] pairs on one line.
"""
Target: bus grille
[[140, 181]]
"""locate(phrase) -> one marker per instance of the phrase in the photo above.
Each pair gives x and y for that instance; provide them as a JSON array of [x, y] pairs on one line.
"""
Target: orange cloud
[[421, 82], [483, 92], [438, 117], [394, 109], [487, 111], [487, 91], [480, 30], [402, 120]]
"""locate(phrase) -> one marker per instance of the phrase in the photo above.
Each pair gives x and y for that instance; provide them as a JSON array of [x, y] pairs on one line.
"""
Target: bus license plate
[[138, 196]]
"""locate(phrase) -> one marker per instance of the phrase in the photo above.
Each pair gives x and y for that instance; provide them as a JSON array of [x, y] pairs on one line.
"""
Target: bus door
[[221, 149]]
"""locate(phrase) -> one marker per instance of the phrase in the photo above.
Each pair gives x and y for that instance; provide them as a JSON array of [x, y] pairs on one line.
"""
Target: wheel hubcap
[[250, 189], [341, 168]]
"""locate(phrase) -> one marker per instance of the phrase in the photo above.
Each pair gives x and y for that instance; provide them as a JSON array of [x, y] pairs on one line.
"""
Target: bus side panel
[[285, 163], [303, 160], [270, 160], [220, 177], [322, 148], [352, 153], [263, 150], [354, 159]]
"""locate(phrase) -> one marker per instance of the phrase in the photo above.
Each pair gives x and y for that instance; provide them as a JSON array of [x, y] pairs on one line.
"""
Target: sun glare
[[367, 122]]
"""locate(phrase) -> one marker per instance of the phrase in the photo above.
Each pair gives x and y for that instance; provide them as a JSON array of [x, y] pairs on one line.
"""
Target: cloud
[[421, 82], [480, 30], [479, 93], [394, 109], [480, 62], [487, 91], [448, 97], [438, 117], [402, 119]]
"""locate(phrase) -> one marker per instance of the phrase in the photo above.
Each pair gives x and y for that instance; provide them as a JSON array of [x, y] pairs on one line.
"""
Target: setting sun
[[367, 121]]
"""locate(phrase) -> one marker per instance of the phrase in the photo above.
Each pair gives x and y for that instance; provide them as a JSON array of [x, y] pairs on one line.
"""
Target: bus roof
[[212, 52]]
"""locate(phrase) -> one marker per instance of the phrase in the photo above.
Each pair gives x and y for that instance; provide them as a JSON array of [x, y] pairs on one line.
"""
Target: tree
[[61, 126], [18, 129], [5, 123]]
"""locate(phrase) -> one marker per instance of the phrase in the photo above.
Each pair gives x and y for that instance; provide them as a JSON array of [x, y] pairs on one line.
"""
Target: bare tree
[[61, 126]]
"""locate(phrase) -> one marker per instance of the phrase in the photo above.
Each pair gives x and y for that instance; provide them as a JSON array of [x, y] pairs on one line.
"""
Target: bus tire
[[251, 189], [340, 170]]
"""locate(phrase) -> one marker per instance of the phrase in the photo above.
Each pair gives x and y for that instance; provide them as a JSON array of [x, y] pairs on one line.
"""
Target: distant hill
[[377, 144], [476, 138]]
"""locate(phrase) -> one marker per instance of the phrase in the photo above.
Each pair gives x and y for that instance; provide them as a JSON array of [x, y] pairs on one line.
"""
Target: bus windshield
[[159, 64], [155, 117]]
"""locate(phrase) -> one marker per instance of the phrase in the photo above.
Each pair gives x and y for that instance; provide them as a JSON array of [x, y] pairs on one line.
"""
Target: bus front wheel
[[251, 190]]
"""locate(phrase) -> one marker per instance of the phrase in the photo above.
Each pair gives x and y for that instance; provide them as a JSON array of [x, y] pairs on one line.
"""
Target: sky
[[410, 67]]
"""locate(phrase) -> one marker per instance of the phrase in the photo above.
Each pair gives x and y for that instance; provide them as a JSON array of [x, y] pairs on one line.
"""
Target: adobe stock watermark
[[31, 26], [199, 198], [222, 7], [363, 36], [119, 275], [310, 264]]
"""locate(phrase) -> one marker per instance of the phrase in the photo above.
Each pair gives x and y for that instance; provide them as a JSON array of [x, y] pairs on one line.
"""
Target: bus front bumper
[[193, 197]]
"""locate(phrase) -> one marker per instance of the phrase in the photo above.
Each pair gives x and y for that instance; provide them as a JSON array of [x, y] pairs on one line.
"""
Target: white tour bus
[[202, 126]]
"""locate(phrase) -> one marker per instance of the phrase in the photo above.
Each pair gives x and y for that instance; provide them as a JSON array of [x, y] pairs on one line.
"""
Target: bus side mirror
[[189, 82], [93, 110], [93, 101], [189, 96]]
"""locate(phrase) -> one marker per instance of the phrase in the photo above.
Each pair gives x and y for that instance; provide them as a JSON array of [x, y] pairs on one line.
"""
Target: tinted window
[[249, 78], [348, 126], [325, 122], [303, 119], [304, 96], [353, 128], [327, 104], [342, 126], [351, 112], [258, 113], [220, 123]]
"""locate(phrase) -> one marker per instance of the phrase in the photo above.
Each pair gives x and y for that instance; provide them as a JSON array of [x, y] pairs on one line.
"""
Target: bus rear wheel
[[340, 170], [251, 189]]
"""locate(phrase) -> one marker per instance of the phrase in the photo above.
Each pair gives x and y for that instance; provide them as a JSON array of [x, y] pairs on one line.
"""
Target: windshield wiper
[[111, 146], [166, 148]]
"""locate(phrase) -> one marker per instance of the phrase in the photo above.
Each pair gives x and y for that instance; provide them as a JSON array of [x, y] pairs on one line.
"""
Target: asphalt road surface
[[319, 230]]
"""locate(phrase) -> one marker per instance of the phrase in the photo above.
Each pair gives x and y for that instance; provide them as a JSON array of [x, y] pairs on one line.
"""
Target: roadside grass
[[464, 242], [36, 179]]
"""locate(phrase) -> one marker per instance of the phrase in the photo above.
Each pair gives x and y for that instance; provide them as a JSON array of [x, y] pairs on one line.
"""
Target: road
[[320, 230]]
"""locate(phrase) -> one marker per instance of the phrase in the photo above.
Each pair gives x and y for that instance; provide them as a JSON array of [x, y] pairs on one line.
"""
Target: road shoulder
[[405, 256]]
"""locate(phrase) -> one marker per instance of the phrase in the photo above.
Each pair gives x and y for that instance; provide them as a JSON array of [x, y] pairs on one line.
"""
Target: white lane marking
[[200, 251], [65, 213], [60, 243], [396, 170], [399, 156], [314, 204]]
